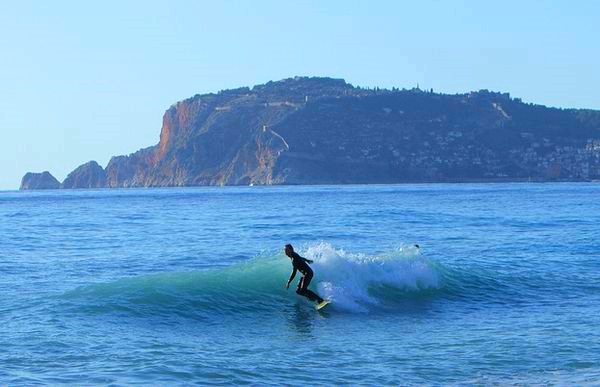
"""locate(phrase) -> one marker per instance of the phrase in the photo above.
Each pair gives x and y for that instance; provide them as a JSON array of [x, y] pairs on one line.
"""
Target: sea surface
[[187, 285]]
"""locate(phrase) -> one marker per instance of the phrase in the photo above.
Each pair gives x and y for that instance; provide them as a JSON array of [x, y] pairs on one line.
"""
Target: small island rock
[[43, 180]]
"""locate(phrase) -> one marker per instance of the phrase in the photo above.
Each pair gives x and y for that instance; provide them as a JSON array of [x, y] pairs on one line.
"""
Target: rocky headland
[[325, 131], [43, 180], [88, 175]]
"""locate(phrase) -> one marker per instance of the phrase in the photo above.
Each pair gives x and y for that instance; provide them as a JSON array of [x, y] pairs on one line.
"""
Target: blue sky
[[85, 81]]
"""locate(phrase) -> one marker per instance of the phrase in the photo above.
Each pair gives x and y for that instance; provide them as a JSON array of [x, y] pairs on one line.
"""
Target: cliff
[[88, 175], [42, 180], [322, 130]]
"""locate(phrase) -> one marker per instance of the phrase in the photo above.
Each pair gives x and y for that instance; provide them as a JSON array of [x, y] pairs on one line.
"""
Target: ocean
[[179, 286]]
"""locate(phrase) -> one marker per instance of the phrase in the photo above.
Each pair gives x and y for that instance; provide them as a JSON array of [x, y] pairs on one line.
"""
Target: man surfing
[[301, 264]]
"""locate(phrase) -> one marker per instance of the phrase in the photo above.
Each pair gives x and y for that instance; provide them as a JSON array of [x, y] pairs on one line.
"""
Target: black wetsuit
[[300, 265]]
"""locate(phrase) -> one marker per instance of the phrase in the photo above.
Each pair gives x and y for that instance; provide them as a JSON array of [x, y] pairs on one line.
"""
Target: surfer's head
[[289, 249]]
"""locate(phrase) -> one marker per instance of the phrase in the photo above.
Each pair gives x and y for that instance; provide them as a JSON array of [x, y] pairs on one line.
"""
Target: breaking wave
[[354, 282]]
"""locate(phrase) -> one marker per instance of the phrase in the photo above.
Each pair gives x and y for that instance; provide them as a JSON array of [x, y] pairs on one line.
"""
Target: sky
[[86, 81]]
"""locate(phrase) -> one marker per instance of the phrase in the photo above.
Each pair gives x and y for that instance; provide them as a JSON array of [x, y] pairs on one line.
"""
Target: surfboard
[[323, 304]]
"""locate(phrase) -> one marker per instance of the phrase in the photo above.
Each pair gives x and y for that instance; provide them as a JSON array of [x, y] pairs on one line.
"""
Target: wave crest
[[353, 281], [356, 281]]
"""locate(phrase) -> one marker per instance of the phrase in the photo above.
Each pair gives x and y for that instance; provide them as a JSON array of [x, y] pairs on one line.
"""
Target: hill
[[325, 131]]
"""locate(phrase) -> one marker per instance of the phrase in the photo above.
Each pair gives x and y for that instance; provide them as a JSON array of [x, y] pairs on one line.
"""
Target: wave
[[354, 282], [359, 281]]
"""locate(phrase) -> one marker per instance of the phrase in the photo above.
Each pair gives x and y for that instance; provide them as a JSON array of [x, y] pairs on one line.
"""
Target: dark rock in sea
[[42, 180], [88, 175], [325, 131]]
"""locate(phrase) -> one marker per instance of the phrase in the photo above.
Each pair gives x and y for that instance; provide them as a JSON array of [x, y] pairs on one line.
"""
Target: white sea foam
[[348, 279]]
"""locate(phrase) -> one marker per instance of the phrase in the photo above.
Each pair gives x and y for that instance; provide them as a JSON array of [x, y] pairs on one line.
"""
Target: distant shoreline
[[412, 182]]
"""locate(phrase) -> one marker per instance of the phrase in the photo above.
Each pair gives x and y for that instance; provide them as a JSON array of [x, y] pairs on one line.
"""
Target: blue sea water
[[186, 285]]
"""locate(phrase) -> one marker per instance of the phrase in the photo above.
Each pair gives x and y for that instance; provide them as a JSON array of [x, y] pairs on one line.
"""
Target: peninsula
[[325, 131]]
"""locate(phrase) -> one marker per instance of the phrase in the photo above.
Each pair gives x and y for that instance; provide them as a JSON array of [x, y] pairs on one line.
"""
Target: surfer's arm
[[291, 277], [307, 260]]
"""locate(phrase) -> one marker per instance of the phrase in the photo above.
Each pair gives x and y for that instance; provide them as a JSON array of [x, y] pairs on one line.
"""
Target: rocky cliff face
[[222, 139], [322, 130], [88, 175], [42, 180]]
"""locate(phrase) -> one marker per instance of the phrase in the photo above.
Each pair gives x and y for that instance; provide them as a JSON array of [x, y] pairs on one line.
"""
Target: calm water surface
[[180, 286]]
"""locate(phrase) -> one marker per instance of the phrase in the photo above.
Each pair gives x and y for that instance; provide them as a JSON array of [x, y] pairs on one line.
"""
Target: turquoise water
[[177, 286]]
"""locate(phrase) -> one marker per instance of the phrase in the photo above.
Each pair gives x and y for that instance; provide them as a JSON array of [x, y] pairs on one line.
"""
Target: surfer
[[301, 264]]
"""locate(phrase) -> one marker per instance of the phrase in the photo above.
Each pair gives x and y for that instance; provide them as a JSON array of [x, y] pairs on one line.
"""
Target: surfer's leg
[[309, 294], [312, 296], [301, 290], [306, 279], [304, 291], [301, 287]]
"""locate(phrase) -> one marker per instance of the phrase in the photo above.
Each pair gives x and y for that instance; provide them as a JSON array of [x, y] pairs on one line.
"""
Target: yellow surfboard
[[322, 304]]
